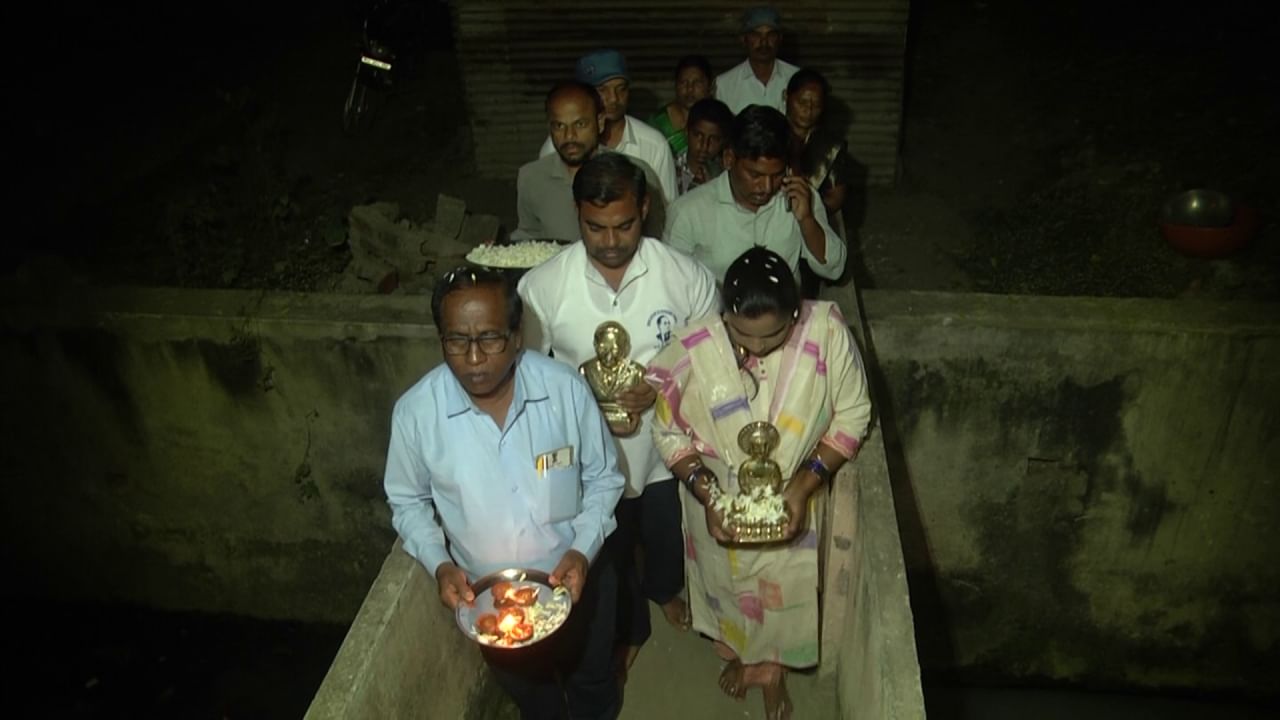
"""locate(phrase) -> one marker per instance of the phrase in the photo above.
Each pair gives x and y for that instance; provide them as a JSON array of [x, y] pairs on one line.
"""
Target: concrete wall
[[1088, 489], [878, 674], [404, 657], [209, 450]]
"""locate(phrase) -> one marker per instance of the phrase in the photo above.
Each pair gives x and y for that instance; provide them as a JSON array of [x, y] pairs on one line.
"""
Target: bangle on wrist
[[691, 478], [819, 468], [700, 479]]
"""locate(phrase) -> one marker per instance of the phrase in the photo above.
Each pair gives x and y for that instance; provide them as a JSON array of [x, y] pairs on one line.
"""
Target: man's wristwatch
[[819, 468]]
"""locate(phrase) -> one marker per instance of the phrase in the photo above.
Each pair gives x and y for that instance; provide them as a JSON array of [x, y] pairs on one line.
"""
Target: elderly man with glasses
[[501, 459]]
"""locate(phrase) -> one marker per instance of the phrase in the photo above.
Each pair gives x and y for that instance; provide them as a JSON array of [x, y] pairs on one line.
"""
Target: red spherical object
[[1179, 226]]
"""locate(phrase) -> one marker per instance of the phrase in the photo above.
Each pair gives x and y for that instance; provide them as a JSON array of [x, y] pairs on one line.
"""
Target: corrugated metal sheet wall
[[512, 52]]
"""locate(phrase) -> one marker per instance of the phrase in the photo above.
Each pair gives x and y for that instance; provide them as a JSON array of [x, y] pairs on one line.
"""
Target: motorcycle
[[387, 38]]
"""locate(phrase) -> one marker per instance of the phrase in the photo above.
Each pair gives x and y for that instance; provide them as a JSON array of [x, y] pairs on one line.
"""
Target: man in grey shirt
[[544, 187]]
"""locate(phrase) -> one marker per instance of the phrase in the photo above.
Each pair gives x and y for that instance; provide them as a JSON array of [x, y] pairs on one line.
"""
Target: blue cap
[[762, 15], [600, 66]]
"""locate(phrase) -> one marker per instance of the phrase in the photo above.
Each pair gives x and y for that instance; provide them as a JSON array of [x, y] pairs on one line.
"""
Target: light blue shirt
[[494, 505]]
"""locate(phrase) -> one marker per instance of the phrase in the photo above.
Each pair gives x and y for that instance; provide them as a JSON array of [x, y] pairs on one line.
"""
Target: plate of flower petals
[[516, 256]]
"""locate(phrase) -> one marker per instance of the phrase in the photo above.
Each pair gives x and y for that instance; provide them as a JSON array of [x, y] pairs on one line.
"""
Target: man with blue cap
[[606, 71], [762, 78]]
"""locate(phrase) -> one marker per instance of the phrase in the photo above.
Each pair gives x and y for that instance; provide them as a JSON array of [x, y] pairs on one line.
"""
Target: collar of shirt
[[558, 170], [746, 73], [628, 137], [724, 195], [529, 388], [636, 269], [724, 191]]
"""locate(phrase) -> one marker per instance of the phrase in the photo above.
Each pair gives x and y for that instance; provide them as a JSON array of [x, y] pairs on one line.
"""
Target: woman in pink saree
[[767, 357]]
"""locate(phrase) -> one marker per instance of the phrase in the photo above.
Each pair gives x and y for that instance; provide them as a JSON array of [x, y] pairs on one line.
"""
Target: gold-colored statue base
[[749, 533], [620, 421], [615, 414]]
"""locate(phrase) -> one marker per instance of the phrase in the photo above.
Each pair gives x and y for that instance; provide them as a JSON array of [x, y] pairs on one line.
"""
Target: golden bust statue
[[612, 371]]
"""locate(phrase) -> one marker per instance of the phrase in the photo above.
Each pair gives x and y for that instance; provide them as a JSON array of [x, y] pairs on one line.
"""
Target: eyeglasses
[[490, 343]]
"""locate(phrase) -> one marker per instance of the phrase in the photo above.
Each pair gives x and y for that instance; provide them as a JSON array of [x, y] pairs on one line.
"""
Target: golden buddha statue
[[759, 471], [758, 513], [611, 372]]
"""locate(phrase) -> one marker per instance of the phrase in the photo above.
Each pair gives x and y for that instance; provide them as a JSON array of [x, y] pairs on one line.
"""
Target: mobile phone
[[784, 188]]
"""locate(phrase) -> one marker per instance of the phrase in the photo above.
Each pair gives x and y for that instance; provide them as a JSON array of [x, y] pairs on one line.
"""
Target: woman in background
[[694, 81], [816, 154]]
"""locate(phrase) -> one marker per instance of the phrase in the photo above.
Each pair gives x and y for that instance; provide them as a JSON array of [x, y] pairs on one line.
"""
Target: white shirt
[[739, 87], [710, 225], [641, 140], [662, 290]]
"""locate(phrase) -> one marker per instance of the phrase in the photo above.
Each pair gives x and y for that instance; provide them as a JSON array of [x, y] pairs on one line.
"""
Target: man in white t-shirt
[[762, 78], [606, 71], [616, 273]]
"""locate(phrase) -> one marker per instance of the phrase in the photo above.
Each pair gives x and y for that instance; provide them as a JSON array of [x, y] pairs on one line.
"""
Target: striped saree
[[761, 601]]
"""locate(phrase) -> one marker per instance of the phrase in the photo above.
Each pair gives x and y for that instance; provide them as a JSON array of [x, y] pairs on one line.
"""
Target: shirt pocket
[[559, 495]]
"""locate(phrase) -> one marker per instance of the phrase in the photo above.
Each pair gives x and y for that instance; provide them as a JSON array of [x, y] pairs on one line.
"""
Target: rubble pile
[[393, 254]]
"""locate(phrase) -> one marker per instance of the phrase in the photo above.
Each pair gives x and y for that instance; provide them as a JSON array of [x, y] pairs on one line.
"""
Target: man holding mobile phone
[[756, 201]]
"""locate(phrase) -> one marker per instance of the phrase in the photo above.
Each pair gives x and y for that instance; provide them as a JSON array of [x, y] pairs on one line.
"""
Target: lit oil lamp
[[506, 595], [513, 627]]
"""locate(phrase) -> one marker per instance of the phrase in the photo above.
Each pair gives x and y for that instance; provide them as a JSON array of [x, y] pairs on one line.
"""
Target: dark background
[[199, 144]]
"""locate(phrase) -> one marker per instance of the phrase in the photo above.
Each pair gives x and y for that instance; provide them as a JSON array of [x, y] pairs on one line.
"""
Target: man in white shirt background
[[756, 201], [616, 273], [762, 77], [606, 71]]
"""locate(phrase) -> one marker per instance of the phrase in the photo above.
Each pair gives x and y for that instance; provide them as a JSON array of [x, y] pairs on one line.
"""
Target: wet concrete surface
[[676, 673], [676, 676], [98, 661], [968, 703]]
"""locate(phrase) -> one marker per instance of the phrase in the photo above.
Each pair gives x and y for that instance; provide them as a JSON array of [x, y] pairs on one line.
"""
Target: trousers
[[650, 522], [569, 674]]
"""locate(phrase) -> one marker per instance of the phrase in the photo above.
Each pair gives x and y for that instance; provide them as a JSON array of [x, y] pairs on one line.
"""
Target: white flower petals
[[519, 255]]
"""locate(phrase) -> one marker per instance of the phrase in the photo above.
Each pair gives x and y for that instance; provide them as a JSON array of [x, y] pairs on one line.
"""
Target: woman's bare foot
[[724, 652], [677, 612], [761, 674], [732, 680]]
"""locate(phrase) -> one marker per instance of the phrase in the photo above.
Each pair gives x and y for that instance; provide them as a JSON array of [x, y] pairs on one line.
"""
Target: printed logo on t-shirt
[[662, 322]]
